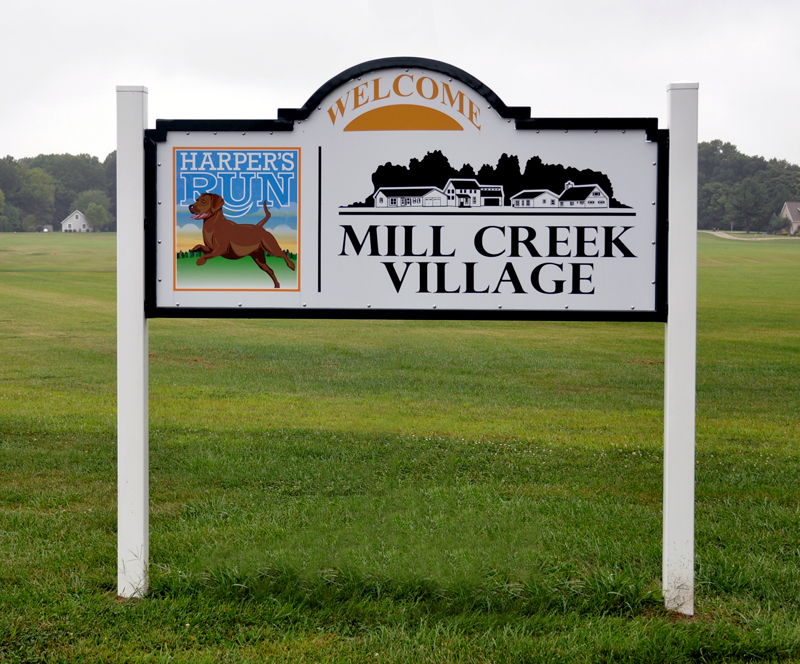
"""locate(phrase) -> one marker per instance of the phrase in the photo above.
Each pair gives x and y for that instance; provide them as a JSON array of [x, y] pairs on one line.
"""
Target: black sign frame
[[519, 115]]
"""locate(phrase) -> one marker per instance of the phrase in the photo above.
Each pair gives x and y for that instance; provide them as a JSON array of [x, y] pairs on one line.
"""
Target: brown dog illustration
[[226, 238]]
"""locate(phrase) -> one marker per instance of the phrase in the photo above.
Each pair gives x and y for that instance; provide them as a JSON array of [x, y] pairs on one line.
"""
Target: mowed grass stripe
[[396, 491]]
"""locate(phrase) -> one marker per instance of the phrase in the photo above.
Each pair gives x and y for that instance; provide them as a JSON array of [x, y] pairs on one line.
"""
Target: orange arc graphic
[[404, 117]]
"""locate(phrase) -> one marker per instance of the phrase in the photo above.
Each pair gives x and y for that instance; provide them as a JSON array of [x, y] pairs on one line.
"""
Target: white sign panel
[[407, 189]]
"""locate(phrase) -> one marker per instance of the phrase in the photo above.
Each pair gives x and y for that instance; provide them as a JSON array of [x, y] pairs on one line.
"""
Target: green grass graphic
[[239, 274]]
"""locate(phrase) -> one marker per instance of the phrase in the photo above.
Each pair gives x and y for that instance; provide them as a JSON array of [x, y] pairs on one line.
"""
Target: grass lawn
[[385, 491]]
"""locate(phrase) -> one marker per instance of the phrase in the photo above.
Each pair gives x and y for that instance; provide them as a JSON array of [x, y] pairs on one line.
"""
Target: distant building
[[76, 222], [791, 211]]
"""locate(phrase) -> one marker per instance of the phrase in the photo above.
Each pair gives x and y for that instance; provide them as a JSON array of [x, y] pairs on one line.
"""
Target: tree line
[[739, 192], [42, 191], [735, 191]]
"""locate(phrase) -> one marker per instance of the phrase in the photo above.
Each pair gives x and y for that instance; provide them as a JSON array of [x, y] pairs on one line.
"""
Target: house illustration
[[534, 198], [585, 196], [409, 197], [582, 195], [469, 193], [76, 222], [457, 193]]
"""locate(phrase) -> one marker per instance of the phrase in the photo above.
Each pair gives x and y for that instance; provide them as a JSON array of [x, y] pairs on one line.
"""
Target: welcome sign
[[405, 188]]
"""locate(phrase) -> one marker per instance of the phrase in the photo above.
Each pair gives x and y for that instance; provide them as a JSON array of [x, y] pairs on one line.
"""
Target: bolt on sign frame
[[406, 189]]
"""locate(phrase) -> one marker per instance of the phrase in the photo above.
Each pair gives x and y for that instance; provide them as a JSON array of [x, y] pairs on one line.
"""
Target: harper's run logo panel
[[251, 225]]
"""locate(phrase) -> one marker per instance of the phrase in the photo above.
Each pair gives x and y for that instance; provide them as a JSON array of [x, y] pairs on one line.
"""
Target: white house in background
[[589, 196], [393, 197], [791, 211], [76, 223], [535, 198]]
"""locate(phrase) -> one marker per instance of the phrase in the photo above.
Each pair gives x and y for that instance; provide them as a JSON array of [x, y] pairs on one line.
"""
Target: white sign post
[[681, 352], [405, 188], [133, 491]]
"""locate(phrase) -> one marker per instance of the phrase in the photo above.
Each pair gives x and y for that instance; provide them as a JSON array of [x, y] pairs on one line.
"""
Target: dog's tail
[[261, 223]]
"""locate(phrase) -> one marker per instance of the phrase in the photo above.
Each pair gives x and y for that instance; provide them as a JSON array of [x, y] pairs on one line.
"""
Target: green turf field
[[382, 491]]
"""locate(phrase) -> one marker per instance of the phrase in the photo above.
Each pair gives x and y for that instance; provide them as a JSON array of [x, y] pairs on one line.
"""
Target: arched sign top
[[520, 115], [372, 66]]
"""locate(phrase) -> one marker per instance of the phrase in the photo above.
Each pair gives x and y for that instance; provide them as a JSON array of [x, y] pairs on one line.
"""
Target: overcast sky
[[61, 61]]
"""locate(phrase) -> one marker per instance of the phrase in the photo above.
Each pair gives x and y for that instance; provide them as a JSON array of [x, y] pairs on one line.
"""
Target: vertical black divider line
[[319, 219]]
